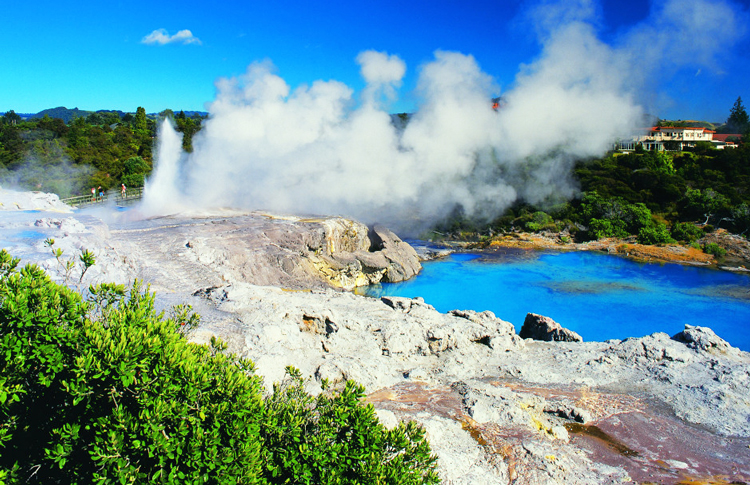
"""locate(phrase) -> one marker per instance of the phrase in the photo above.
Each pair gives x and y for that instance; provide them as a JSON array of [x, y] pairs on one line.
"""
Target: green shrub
[[541, 221], [332, 438], [108, 390], [656, 233], [601, 228], [686, 231], [613, 217], [715, 249]]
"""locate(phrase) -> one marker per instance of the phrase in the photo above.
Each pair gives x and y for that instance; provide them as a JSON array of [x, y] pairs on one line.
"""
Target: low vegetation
[[105, 389]]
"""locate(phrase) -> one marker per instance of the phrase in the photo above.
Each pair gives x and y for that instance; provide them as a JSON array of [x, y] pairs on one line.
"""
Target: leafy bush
[[613, 217], [331, 438], [540, 221], [715, 249], [109, 390], [656, 233], [686, 231], [601, 228]]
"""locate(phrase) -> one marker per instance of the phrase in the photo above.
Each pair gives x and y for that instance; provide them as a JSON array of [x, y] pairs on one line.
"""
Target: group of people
[[94, 198]]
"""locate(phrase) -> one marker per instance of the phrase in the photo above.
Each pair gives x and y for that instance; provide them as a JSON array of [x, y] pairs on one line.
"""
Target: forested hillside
[[101, 149]]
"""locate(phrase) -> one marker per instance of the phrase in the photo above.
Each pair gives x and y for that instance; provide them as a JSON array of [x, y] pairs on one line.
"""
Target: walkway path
[[131, 197]]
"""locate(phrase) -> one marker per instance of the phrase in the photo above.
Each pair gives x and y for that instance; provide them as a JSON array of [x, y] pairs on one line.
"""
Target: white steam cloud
[[314, 150]]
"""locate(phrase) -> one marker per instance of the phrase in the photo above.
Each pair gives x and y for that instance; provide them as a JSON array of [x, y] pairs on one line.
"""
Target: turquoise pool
[[599, 296]]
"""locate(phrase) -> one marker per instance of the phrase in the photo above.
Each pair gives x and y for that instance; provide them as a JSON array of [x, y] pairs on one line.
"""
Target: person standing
[[124, 191]]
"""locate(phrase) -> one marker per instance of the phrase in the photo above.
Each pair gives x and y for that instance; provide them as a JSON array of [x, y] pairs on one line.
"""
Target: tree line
[[102, 149]]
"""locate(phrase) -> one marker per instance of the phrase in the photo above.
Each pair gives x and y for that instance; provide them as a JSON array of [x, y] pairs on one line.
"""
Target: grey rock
[[403, 259], [703, 338], [538, 327]]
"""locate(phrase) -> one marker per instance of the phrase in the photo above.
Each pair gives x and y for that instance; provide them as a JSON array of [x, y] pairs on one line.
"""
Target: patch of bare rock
[[502, 409]]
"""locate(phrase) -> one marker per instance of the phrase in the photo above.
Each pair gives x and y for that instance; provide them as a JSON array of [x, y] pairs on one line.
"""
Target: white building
[[674, 138]]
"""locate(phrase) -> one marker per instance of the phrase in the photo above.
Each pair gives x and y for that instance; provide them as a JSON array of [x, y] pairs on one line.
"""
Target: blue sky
[[94, 55]]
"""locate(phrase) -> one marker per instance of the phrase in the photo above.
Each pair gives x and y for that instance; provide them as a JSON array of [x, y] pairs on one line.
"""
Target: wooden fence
[[131, 197]]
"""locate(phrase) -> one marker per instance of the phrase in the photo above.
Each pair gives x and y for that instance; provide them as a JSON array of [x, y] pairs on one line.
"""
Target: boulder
[[403, 260], [702, 338], [538, 327]]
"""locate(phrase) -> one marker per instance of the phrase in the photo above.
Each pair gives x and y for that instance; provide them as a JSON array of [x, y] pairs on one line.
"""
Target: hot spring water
[[598, 296]]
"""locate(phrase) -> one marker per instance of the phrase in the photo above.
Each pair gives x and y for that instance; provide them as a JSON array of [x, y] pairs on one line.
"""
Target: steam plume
[[314, 150]]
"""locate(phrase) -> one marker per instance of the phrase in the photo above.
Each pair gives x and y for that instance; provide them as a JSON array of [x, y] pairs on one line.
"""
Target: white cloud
[[161, 37]]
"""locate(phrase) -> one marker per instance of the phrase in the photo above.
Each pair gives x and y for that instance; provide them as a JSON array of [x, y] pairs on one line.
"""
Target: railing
[[131, 196]]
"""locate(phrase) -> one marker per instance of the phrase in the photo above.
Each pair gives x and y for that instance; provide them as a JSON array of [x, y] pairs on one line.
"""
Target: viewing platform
[[131, 197]]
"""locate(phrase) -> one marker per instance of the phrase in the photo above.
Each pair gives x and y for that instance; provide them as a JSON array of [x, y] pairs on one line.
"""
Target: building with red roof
[[675, 138]]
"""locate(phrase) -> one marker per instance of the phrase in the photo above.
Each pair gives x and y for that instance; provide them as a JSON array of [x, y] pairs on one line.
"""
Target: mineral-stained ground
[[497, 408]]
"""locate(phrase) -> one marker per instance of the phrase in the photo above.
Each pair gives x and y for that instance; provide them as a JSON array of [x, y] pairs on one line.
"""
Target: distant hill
[[67, 114], [62, 112]]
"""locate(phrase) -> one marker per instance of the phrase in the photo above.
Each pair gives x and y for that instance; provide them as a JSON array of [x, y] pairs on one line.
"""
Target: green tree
[[135, 171], [738, 120], [95, 119], [140, 123], [706, 203], [11, 118]]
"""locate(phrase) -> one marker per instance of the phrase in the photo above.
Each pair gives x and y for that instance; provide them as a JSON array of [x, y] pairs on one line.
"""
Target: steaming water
[[599, 296]]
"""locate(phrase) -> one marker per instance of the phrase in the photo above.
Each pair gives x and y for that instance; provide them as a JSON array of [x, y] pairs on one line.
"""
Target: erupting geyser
[[318, 149], [161, 192]]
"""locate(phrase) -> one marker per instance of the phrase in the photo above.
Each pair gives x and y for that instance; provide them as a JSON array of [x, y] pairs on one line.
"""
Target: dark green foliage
[[715, 249], [738, 121], [601, 228], [108, 390], [541, 221], [657, 161], [613, 217], [705, 203], [741, 217], [622, 191], [188, 127], [656, 233], [135, 171], [686, 232], [49, 155], [332, 439], [10, 118]]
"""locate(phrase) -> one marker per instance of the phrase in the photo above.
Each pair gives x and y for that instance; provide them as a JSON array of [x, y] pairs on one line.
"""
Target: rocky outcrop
[[538, 327], [265, 249], [703, 338], [349, 255], [736, 246]]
